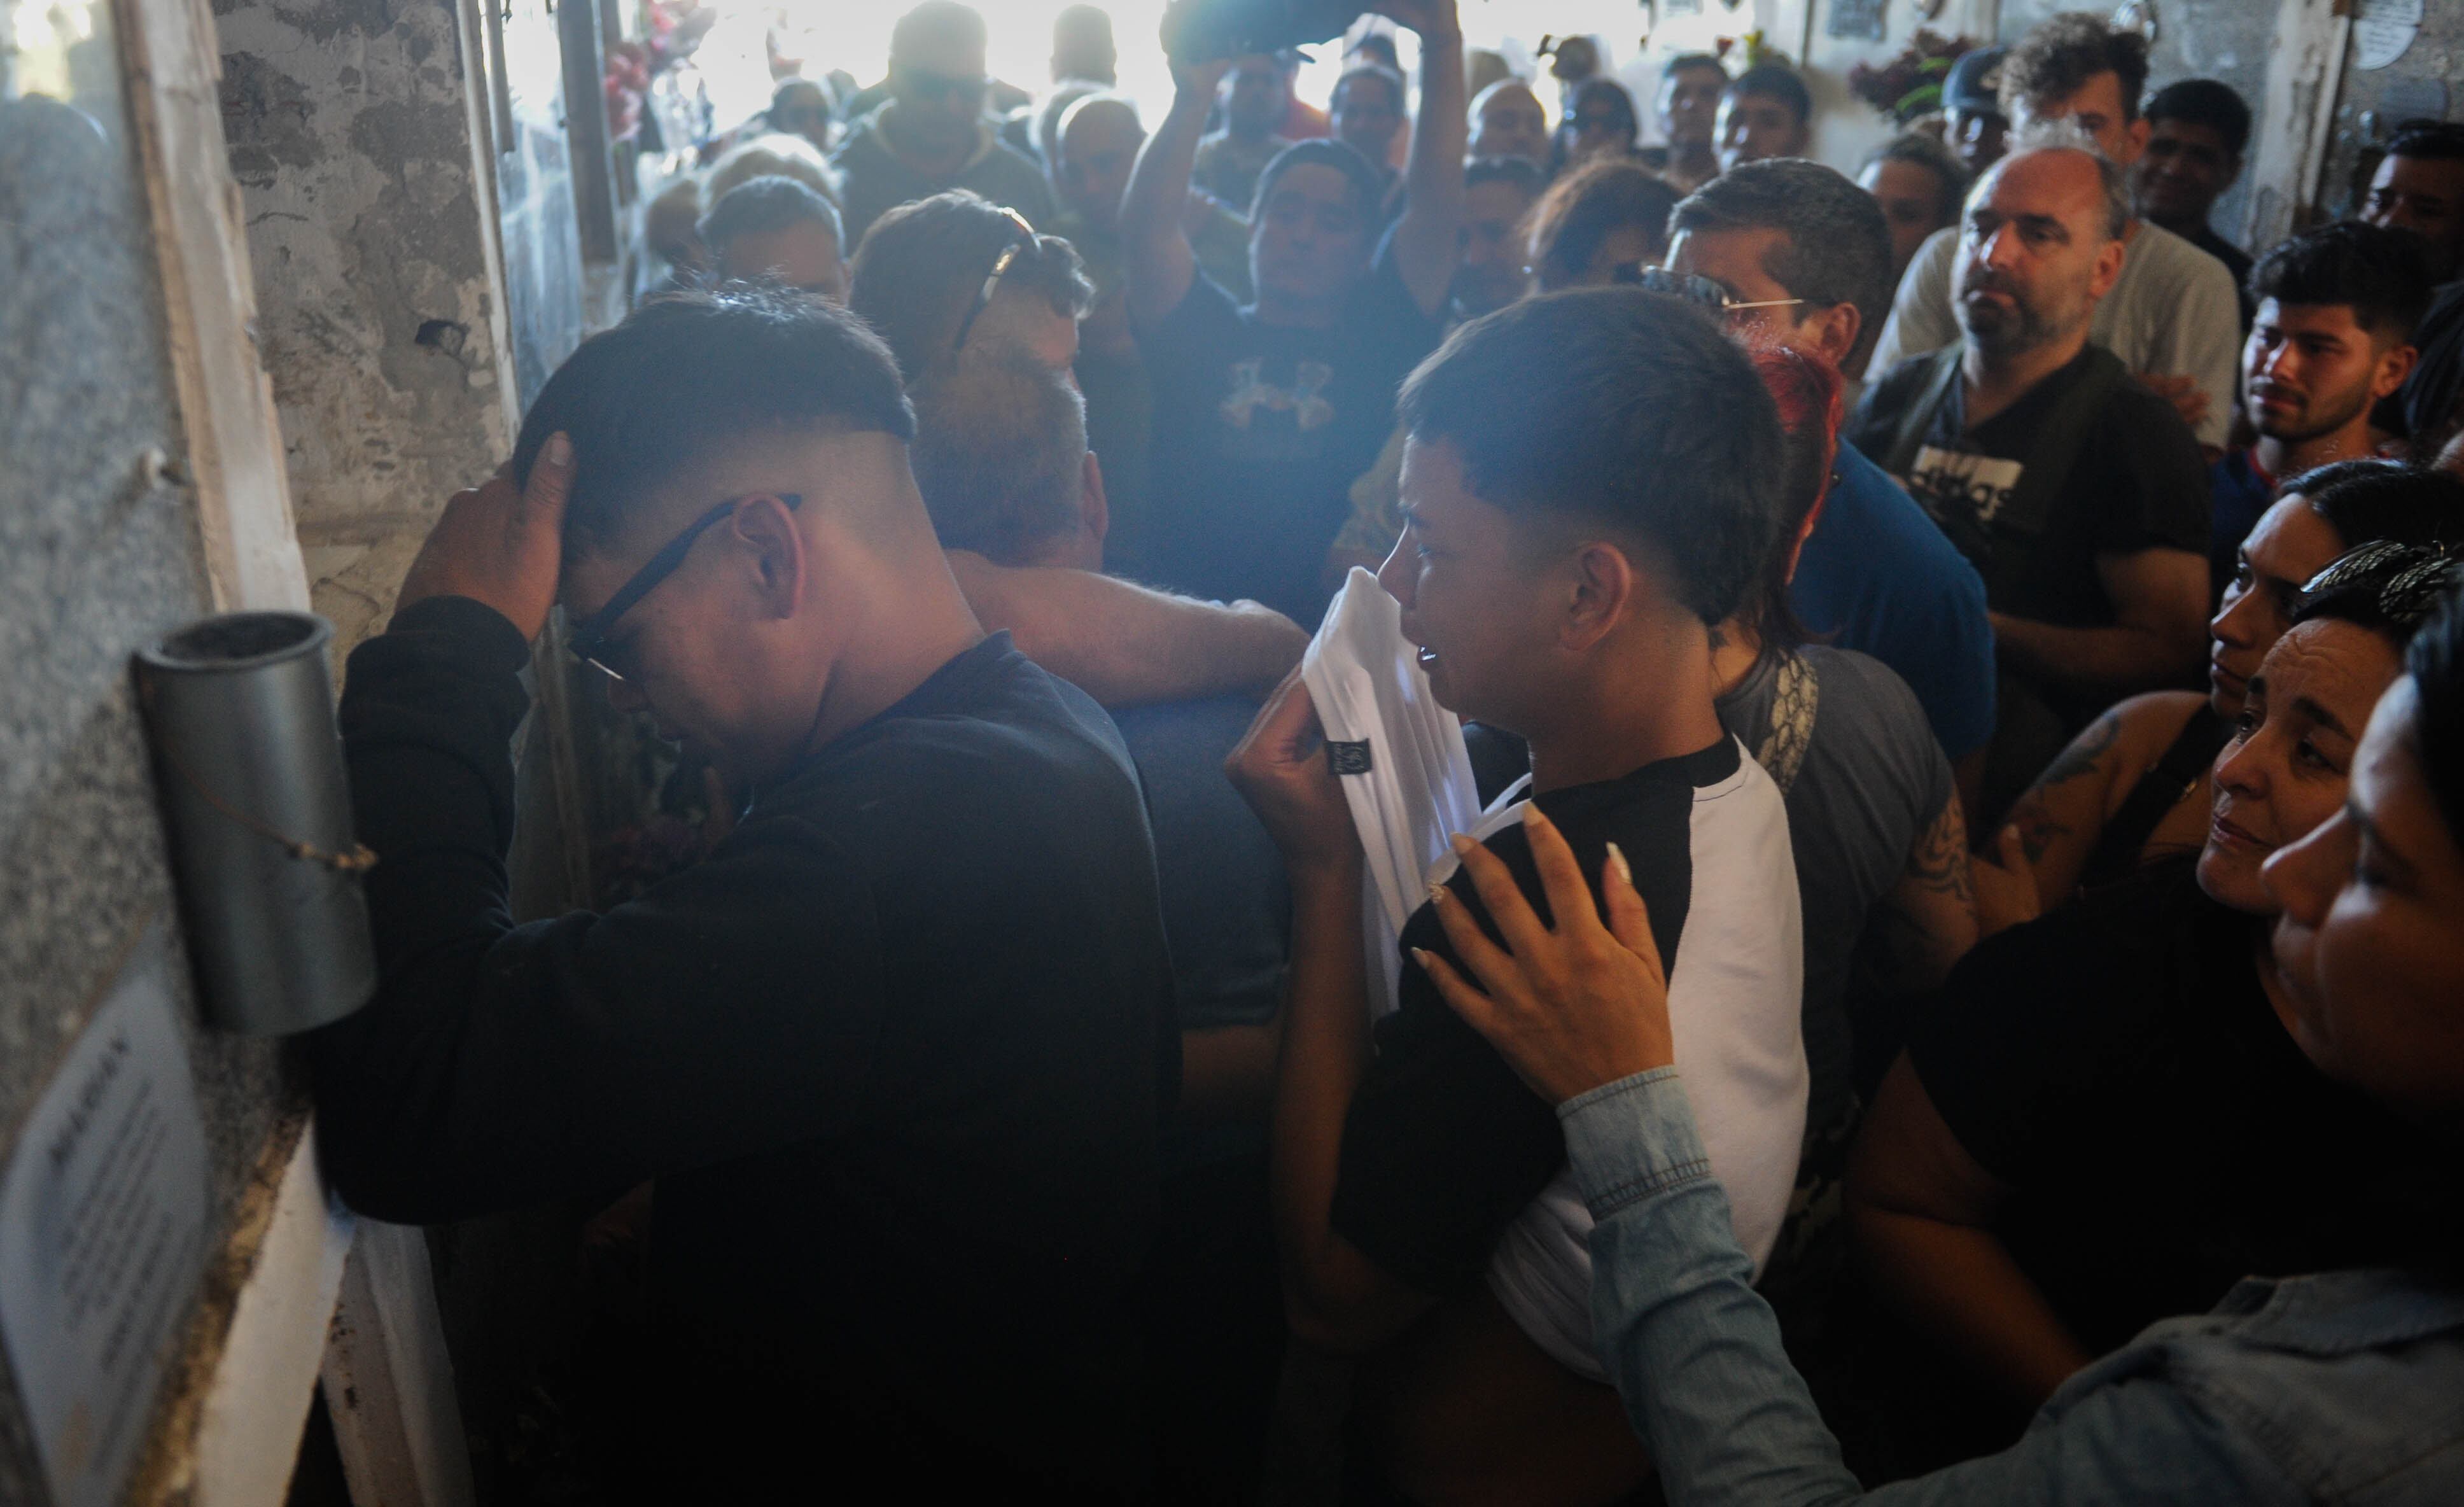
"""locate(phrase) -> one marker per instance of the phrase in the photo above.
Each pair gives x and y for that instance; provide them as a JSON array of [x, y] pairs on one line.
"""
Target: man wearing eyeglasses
[[1801, 259], [934, 133], [896, 1053], [1263, 414]]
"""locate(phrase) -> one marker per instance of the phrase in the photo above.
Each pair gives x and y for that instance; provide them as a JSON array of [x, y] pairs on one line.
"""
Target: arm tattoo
[[2037, 829]]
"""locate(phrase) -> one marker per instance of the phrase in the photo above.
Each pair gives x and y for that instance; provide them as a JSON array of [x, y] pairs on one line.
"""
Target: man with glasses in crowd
[[934, 133], [895, 1053]]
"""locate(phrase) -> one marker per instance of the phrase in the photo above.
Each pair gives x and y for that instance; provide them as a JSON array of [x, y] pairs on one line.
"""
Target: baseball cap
[[1974, 85]]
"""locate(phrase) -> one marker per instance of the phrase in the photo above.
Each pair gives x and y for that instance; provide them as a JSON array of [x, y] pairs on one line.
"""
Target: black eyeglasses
[[588, 639], [1021, 236], [929, 85], [1693, 288]]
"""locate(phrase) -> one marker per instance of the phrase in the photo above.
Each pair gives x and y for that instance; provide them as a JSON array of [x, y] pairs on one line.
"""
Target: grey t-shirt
[[2172, 312], [1862, 777]]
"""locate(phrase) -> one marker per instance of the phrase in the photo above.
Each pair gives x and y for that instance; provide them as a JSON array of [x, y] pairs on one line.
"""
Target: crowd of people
[[1897, 1019]]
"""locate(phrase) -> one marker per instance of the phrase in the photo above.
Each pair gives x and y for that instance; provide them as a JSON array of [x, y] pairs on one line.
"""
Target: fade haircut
[[2066, 135], [2364, 501], [1775, 82], [1918, 150], [2379, 273], [1838, 248], [691, 373], [2208, 102], [922, 264], [2062, 53], [1618, 408], [1000, 453], [766, 207], [1583, 207]]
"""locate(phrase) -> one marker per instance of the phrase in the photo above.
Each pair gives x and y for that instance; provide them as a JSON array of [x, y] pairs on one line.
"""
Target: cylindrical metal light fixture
[[240, 710]]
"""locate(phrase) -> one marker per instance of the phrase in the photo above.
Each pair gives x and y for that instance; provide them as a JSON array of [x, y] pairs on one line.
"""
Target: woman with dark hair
[[2132, 788], [1600, 121], [2294, 1388], [1607, 213]]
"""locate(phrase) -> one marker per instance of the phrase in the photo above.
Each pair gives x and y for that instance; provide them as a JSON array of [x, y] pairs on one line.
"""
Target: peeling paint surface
[[350, 138]]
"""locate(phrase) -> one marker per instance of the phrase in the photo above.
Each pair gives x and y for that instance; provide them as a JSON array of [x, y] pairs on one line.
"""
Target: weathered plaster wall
[[351, 136], [2427, 79], [2221, 39], [98, 552]]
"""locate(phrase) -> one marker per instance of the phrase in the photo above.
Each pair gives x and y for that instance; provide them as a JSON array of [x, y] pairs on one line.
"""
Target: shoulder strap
[[1918, 417], [1782, 750], [2191, 755]]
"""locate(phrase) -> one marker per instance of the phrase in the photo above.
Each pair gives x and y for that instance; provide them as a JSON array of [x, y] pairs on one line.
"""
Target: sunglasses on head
[[1021, 236], [589, 638]]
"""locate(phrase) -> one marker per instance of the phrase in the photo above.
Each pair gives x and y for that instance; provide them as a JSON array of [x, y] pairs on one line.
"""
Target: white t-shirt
[[1735, 1013], [2172, 312]]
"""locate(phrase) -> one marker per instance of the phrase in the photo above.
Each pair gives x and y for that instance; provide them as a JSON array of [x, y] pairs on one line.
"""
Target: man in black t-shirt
[[895, 1053], [2078, 494], [2196, 130], [1264, 414]]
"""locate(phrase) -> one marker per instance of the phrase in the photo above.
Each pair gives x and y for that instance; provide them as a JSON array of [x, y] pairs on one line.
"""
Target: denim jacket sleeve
[[1695, 1353]]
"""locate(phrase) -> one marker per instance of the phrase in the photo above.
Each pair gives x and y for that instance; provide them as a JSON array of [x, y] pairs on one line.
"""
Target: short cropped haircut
[[2379, 273], [766, 207], [2065, 136], [2208, 102], [1392, 80], [2435, 662], [922, 264], [1689, 62], [2429, 141], [772, 154], [1919, 149], [1774, 81], [690, 373], [1000, 454], [1521, 171], [936, 18], [1838, 245], [1584, 205], [1617, 407], [2064, 52], [2372, 499], [1368, 181]]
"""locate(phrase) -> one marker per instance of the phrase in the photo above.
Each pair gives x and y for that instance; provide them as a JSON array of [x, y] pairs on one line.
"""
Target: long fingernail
[[1625, 869], [1437, 895], [1533, 816], [1420, 955], [1462, 844], [559, 448]]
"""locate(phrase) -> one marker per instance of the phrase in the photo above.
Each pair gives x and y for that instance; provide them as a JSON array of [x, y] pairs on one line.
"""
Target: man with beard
[[933, 135], [2077, 494], [2333, 336]]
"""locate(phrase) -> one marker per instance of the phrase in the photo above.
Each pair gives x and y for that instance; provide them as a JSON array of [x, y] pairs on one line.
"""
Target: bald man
[[1509, 120], [2077, 493]]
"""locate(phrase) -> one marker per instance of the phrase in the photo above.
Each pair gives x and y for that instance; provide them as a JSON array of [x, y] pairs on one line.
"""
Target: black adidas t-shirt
[[2138, 481]]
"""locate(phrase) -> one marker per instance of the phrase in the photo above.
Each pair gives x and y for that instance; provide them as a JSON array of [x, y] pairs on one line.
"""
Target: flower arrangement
[[1910, 86]]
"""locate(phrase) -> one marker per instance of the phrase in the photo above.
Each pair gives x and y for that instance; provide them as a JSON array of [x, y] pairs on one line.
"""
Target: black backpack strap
[[1918, 417]]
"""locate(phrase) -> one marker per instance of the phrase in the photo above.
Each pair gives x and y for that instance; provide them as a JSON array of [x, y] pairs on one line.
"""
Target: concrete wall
[[98, 552], [2426, 79]]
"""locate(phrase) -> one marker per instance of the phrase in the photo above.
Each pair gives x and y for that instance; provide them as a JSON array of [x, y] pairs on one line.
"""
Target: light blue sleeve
[[1696, 1356]]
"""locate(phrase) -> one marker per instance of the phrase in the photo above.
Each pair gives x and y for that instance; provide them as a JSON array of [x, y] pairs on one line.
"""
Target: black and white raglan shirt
[[1453, 1170]]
